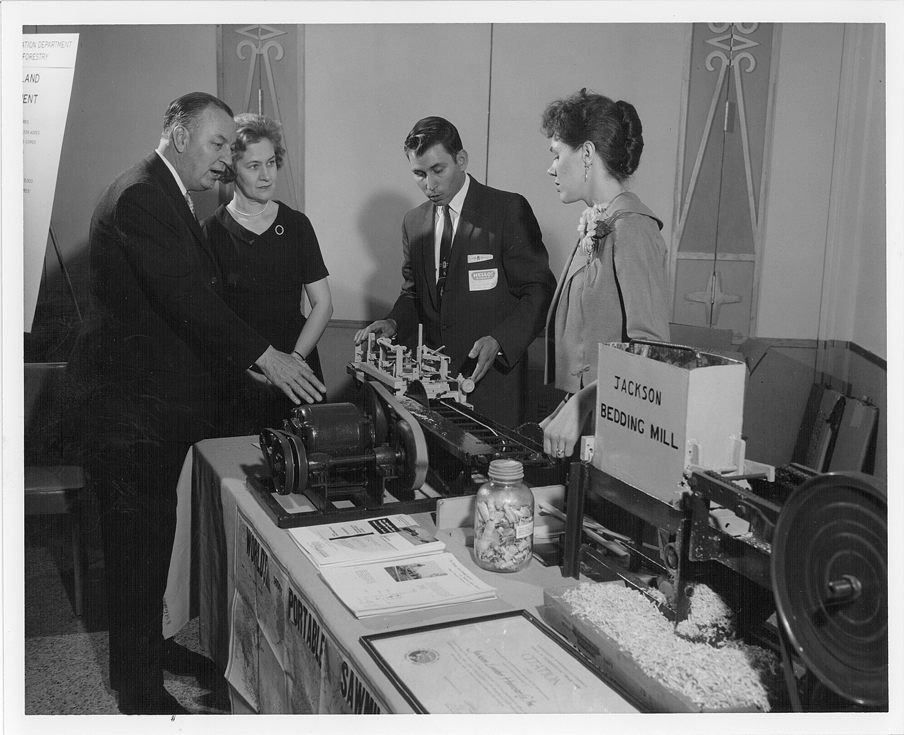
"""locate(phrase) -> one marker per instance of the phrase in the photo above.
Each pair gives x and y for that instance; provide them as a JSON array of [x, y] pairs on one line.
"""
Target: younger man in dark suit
[[155, 338], [476, 274]]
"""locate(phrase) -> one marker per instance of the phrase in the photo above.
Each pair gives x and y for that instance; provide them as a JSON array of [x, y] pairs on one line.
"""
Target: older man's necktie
[[191, 205], [445, 251]]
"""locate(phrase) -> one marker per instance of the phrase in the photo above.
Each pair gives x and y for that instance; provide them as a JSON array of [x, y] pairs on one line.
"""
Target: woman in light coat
[[614, 287]]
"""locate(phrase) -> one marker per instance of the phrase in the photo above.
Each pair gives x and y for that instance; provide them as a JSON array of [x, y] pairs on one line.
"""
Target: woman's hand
[[562, 428], [545, 422]]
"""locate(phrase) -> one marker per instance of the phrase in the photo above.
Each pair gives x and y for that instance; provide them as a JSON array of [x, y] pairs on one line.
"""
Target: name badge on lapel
[[479, 257], [483, 280]]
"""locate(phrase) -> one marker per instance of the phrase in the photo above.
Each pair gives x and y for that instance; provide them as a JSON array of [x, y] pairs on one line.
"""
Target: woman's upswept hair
[[613, 127], [253, 128]]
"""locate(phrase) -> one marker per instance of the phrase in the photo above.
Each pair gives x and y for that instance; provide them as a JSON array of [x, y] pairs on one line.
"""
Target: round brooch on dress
[[279, 229]]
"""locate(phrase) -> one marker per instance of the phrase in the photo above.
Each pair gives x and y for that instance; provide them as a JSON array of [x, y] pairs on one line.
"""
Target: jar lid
[[506, 469]]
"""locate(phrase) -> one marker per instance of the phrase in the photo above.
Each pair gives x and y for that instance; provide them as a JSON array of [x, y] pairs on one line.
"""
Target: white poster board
[[48, 65]]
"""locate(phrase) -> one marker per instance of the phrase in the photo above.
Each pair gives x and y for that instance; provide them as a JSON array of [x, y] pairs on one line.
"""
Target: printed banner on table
[[256, 668], [242, 671], [281, 659], [48, 65], [344, 690], [273, 694], [260, 579], [306, 643]]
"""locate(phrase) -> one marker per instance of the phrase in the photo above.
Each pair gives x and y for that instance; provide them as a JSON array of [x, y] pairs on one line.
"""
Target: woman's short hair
[[431, 131], [252, 128], [613, 127]]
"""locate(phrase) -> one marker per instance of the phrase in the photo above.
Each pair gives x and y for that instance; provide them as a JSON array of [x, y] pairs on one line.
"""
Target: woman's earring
[[586, 170]]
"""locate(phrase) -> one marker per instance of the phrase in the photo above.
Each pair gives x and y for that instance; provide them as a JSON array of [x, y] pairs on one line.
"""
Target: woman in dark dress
[[269, 261]]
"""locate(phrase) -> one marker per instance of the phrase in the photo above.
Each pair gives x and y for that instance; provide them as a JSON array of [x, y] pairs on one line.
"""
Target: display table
[[294, 646]]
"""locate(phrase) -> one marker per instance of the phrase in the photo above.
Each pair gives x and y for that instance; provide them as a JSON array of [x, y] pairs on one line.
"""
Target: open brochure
[[399, 586], [368, 540]]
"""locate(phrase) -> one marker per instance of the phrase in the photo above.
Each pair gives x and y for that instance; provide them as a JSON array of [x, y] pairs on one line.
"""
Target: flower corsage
[[593, 227]]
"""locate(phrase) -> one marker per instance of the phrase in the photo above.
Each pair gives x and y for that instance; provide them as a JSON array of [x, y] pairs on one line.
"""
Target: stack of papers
[[371, 540], [413, 584]]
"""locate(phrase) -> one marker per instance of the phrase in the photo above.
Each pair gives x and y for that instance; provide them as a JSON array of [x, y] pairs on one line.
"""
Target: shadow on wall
[[380, 229], [336, 348]]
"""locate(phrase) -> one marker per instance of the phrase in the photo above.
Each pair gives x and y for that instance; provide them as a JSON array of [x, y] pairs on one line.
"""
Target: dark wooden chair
[[54, 484]]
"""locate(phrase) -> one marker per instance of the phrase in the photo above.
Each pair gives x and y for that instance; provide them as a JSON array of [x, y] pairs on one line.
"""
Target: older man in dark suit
[[476, 274], [155, 340]]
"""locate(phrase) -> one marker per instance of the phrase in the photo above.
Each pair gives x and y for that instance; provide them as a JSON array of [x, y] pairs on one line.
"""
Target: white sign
[[48, 65], [662, 408]]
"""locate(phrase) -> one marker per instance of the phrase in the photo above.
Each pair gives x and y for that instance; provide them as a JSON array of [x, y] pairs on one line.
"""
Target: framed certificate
[[508, 663]]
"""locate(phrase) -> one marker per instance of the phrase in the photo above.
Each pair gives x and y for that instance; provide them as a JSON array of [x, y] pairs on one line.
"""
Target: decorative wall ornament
[[260, 47], [713, 297], [718, 227], [261, 70]]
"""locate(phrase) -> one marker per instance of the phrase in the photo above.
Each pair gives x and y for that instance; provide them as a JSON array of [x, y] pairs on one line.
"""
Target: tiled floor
[[66, 656]]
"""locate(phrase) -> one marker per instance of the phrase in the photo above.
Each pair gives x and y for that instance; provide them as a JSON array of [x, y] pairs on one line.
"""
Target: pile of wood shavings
[[709, 619], [731, 676]]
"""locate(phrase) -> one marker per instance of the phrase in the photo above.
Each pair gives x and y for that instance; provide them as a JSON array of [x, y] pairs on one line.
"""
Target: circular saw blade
[[416, 391]]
